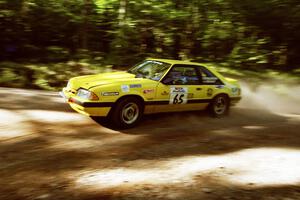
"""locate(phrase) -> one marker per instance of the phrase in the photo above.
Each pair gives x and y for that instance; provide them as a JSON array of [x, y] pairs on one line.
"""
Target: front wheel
[[127, 113], [219, 106]]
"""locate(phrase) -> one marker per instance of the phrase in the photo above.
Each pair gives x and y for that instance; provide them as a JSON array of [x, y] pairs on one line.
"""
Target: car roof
[[183, 62]]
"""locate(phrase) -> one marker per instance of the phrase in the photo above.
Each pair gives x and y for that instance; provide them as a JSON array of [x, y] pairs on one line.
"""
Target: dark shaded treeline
[[248, 33]]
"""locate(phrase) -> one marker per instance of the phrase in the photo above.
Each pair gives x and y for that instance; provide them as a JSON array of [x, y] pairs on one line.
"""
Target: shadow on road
[[48, 159]]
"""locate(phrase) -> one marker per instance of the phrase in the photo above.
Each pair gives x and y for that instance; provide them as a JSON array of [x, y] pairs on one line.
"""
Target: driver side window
[[182, 75]]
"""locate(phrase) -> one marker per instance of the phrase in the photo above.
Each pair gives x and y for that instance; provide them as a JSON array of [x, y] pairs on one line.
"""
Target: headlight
[[86, 94]]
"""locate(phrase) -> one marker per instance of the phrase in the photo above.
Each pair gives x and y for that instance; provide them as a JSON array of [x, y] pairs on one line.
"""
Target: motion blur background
[[48, 152], [45, 42]]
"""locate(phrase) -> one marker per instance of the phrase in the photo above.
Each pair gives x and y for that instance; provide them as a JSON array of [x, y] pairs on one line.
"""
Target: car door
[[180, 90]]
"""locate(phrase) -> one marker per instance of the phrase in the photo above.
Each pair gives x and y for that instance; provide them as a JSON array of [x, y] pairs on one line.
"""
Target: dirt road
[[47, 151]]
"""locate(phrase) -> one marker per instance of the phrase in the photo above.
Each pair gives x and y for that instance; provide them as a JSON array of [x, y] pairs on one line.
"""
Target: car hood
[[90, 81]]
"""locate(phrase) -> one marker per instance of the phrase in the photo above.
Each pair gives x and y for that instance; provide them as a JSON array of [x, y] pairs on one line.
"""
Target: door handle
[[198, 88]]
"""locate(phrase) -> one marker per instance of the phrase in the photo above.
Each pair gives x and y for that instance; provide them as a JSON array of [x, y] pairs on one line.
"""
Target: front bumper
[[87, 108]]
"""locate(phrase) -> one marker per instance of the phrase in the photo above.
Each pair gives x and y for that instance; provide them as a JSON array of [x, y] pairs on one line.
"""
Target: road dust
[[277, 98], [48, 151]]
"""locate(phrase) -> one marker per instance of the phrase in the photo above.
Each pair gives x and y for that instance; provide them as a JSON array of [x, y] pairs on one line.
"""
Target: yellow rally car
[[152, 86]]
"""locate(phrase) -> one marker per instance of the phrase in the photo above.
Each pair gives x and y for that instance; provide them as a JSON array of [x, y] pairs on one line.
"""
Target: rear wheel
[[127, 113], [219, 106]]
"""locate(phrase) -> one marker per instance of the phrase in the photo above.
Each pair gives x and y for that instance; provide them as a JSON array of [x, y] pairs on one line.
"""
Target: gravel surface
[[47, 151]]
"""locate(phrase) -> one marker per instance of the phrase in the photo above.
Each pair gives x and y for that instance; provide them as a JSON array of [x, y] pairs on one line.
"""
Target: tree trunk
[[176, 34], [85, 25], [122, 13]]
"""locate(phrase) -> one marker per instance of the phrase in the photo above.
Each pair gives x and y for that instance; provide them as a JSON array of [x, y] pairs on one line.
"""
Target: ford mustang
[[152, 86]]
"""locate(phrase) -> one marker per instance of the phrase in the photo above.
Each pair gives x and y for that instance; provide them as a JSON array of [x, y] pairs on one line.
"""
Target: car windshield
[[150, 69]]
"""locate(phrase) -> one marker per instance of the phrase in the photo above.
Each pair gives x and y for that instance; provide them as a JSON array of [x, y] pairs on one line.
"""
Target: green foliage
[[248, 34], [15, 75], [56, 54]]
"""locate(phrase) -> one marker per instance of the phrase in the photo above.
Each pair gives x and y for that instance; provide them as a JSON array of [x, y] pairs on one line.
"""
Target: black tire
[[219, 106], [126, 113]]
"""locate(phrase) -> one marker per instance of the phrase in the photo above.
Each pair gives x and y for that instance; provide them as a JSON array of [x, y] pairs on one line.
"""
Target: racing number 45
[[178, 99]]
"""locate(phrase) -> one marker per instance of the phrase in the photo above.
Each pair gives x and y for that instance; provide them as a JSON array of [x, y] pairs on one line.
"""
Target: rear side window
[[208, 78]]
